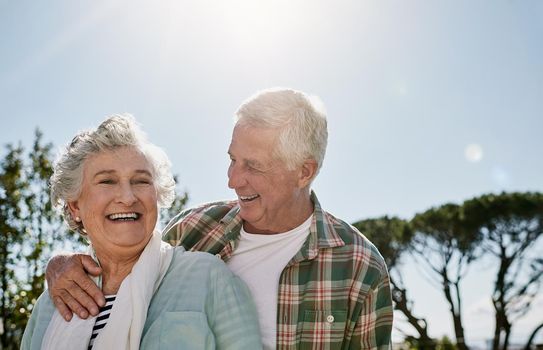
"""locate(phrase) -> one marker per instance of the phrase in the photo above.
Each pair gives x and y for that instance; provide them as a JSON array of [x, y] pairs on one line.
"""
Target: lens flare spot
[[500, 176], [473, 153]]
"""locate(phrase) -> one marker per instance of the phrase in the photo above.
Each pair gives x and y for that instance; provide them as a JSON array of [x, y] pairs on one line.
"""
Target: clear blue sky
[[408, 86]]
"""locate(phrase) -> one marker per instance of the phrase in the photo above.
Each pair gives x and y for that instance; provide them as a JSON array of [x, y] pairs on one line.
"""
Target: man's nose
[[236, 177]]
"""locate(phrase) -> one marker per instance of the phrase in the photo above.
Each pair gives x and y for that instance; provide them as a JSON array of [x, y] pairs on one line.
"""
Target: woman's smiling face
[[118, 201]]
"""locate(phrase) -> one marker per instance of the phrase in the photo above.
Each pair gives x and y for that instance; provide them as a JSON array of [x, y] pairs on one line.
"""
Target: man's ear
[[308, 172]]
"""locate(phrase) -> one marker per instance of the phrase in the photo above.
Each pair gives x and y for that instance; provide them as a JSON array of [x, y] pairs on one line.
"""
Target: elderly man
[[317, 282]]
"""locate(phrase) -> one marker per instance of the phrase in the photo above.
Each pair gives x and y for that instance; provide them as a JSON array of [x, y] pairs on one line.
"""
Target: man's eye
[[106, 182], [253, 169]]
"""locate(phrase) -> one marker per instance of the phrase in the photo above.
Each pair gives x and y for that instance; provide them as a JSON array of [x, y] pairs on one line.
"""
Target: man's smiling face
[[268, 193]]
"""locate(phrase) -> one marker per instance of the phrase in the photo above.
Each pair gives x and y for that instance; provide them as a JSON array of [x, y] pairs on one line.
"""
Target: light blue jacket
[[200, 304]]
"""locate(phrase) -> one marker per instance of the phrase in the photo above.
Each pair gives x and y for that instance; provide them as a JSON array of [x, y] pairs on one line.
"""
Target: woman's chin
[[124, 243]]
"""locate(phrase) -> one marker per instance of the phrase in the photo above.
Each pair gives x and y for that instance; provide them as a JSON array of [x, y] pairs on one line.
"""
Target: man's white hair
[[300, 120]]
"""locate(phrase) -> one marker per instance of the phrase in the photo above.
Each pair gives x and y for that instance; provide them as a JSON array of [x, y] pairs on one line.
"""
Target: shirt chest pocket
[[185, 330], [324, 328]]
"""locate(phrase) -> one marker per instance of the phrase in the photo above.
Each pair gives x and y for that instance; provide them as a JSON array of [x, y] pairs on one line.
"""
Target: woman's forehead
[[124, 159]]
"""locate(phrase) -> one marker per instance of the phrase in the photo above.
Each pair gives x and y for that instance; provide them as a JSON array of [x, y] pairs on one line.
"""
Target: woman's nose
[[126, 195]]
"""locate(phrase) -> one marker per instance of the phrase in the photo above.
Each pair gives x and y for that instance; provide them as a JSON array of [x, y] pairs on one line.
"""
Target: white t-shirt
[[259, 260]]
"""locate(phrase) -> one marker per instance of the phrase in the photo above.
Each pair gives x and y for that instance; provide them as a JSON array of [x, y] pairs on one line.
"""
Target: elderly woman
[[109, 183]]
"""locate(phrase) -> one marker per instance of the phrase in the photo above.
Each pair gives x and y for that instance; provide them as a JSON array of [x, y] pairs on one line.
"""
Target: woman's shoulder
[[181, 253], [196, 263], [42, 313], [44, 304], [189, 281]]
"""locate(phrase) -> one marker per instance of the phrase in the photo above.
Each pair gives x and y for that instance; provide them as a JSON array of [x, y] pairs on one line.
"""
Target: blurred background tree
[[179, 203], [393, 237], [445, 248], [30, 231], [12, 185], [511, 225]]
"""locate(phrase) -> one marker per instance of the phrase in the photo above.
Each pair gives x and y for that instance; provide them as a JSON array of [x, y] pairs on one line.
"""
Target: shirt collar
[[322, 233]]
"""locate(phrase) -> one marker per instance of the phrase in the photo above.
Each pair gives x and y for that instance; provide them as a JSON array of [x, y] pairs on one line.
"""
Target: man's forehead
[[248, 156]]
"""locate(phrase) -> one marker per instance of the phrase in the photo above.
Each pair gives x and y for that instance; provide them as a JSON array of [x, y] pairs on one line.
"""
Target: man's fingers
[[70, 286], [72, 304], [88, 286], [62, 309], [90, 265], [77, 297], [89, 295]]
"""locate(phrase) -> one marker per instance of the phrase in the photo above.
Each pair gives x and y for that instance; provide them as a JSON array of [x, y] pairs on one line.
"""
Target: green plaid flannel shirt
[[333, 294]]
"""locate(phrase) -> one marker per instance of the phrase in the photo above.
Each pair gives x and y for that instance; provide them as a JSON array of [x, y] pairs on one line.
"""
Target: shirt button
[[218, 256], [329, 318]]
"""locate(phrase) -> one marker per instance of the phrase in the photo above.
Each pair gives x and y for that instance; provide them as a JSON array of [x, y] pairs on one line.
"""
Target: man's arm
[[373, 327], [71, 289]]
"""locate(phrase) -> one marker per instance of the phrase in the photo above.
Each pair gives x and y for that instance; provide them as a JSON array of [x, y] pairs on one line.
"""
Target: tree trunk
[[457, 320], [532, 336], [506, 338], [459, 333], [498, 300], [496, 340], [458, 323], [399, 296]]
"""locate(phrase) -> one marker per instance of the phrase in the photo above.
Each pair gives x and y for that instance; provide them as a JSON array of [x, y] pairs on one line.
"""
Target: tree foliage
[[446, 240], [12, 185], [179, 203], [445, 246], [29, 232], [511, 226]]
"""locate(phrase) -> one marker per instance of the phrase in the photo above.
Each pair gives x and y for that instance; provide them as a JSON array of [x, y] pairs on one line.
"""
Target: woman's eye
[[142, 182]]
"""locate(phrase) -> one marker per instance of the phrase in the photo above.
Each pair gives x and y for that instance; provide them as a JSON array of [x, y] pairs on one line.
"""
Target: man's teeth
[[248, 198], [123, 216]]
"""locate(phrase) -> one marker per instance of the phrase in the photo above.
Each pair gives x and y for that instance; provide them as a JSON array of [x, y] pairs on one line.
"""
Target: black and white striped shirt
[[102, 318]]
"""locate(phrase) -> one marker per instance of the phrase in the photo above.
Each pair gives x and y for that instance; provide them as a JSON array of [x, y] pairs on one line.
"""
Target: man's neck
[[298, 216]]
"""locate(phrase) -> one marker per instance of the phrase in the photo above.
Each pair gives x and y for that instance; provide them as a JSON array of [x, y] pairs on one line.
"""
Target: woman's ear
[[307, 172], [74, 210]]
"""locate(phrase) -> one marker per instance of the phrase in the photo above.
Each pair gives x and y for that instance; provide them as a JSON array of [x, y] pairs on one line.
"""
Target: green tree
[[12, 186], [445, 344], [30, 231], [446, 247], [179, 203], [512, 227], [392, 236]]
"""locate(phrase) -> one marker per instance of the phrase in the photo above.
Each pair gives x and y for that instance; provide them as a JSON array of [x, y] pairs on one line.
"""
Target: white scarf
[[125, 323]]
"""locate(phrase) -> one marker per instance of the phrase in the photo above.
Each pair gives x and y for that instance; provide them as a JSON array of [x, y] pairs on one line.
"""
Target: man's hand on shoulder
[[70, 287]]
